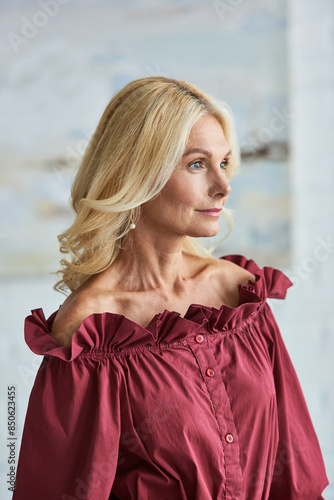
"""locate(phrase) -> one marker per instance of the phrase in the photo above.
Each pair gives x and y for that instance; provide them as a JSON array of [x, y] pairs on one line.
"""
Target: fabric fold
[[110, 332], [131, 409]]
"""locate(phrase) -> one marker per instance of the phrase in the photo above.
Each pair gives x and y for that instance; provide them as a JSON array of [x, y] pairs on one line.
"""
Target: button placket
[[215, 384]]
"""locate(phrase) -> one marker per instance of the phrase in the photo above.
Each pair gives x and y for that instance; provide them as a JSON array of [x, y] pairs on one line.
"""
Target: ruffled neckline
[[112, 332]]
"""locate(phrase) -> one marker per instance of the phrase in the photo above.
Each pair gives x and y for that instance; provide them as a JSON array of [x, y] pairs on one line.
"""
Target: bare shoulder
[[70, 316], [77, 306], [230, 273], [220, 279]]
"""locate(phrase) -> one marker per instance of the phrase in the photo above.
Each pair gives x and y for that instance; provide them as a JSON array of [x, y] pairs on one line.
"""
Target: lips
[[213, 212]]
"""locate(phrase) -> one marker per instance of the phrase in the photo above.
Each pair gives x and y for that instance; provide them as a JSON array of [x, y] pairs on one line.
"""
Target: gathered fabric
[[202, 406]]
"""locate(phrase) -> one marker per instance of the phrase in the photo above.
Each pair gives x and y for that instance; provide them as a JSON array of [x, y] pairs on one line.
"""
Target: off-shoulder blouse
[[201, 407]]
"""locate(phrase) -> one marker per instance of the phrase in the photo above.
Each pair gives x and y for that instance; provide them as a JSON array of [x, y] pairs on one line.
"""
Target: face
[[190, 203]]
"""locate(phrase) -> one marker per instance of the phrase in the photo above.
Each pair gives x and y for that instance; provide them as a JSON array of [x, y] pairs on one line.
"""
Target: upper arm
[[72, 425], [78, 306], [69, 318]]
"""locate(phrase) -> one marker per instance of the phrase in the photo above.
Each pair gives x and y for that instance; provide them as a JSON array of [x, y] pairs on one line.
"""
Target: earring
[[133, 225]]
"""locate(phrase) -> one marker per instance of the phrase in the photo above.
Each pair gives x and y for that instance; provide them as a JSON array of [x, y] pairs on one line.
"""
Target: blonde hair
[[138, 142]]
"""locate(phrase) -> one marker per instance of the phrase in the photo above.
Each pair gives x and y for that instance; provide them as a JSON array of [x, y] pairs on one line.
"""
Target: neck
[[151, 260]]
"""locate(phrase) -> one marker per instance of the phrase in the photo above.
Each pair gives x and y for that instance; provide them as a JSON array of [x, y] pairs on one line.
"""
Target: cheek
[[184, 193]]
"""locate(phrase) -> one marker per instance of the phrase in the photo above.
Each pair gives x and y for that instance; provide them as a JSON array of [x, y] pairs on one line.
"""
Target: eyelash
[[226, 164]]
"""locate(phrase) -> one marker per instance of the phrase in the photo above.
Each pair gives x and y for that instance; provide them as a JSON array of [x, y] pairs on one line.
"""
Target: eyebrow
[[203, 151]]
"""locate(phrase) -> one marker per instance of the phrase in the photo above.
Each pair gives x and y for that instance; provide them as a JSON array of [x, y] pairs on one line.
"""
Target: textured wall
[[62, 61], [309, 316], [62, 68]]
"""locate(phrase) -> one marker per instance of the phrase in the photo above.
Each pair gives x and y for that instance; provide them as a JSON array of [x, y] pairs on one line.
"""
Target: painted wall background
[[62, 69], [62, 60]]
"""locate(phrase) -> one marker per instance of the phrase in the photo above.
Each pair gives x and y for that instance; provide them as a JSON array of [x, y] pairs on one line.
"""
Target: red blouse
[[205, 406]]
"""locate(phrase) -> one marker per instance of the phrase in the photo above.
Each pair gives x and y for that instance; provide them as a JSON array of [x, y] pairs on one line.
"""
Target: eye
[[197, 165], [224, 164]]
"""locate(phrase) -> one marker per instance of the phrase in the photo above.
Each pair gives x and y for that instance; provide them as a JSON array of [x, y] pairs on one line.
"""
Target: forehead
[[207, 128], [207, 133]]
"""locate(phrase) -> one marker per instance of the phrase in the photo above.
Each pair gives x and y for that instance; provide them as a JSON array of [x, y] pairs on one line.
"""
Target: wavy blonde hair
[[138, 142]]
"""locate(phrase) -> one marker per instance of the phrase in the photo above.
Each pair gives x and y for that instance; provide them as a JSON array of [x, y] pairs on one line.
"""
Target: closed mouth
[[211, 210]]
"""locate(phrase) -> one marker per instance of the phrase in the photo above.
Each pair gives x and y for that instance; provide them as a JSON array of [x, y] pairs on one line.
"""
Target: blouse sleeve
[[69, 446], [299, 471]]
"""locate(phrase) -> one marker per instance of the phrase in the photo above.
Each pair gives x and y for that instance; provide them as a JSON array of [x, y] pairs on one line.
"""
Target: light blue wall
[[64, 60], [59, 69]]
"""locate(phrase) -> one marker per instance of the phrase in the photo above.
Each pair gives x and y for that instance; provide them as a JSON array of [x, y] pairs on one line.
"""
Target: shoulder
[[220, 280], [78, 305], [70, 316], [230, 273]]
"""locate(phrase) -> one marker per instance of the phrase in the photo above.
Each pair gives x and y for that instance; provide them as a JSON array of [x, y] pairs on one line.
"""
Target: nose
[[220, 187]]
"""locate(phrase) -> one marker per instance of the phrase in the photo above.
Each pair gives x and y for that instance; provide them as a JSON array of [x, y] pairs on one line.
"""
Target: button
[[199, 338], [229, 438], [210, 372]]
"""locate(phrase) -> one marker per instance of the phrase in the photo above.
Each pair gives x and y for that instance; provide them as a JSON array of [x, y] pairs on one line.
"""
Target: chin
[[211, 234], [206, 233]]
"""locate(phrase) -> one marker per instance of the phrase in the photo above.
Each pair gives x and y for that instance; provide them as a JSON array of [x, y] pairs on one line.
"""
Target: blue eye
[[197, 165]]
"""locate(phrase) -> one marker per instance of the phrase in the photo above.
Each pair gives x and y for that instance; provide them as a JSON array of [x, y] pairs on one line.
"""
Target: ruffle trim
[[110, 332]]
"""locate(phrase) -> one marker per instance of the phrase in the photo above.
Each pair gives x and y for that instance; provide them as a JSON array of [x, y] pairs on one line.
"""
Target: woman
[[164, 373]]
